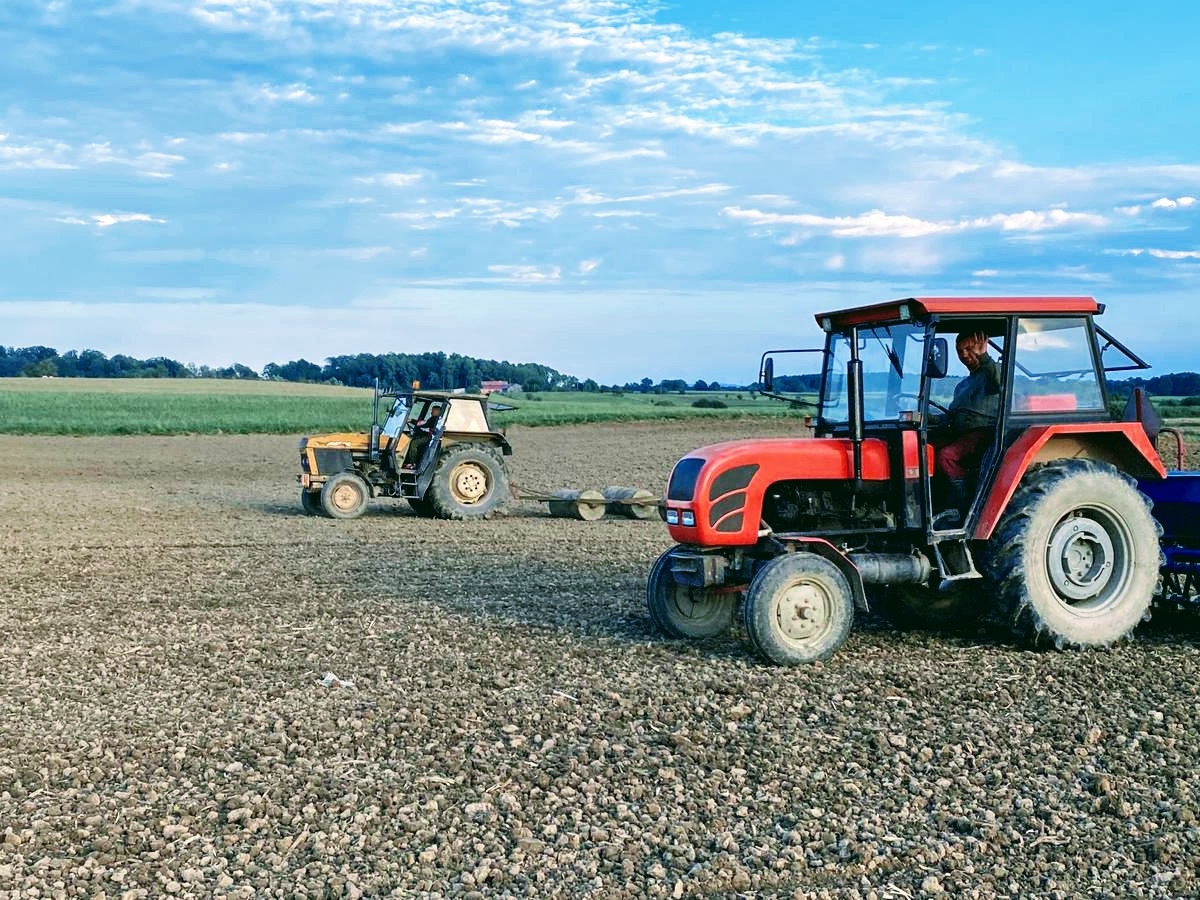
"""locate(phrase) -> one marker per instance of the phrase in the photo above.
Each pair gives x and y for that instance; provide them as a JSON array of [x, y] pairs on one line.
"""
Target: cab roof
[[434, 395], [921, 307]]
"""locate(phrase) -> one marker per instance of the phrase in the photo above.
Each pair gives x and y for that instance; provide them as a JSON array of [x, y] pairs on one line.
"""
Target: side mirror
[[939, 359], [767, 376]]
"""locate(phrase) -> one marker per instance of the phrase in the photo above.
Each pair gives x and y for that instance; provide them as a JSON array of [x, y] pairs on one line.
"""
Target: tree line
[[433, 371]]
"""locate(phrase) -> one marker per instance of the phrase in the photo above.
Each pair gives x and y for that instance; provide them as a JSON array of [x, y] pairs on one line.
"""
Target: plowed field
[[204, 692]]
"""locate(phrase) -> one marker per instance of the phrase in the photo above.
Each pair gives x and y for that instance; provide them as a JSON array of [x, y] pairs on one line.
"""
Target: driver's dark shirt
[[976, 402]]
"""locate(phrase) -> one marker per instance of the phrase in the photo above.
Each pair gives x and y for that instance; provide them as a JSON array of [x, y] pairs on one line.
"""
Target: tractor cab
[[960, 448], [891, 373]]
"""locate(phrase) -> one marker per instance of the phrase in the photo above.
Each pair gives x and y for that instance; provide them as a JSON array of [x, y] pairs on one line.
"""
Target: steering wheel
[[917, 397]]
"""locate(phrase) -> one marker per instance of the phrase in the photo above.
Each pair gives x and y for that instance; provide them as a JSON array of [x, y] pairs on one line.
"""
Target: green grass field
[[205, 406]]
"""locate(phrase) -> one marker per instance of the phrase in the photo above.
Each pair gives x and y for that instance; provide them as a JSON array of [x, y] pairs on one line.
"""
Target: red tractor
[[1051, 532]]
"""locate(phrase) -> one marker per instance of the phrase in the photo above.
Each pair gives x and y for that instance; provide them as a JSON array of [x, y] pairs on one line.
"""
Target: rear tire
[[799, 609], [469, 483], [345, 496], [1076, 555], [682, 611]]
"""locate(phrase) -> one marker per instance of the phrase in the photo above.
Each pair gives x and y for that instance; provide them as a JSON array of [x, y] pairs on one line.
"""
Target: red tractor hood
[[722, 485]]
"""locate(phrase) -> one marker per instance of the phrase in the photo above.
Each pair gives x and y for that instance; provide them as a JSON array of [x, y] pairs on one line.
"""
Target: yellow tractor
[[435, 449]]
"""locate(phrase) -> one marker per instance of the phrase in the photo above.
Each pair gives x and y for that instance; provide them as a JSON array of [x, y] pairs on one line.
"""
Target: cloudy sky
[[614, 188]]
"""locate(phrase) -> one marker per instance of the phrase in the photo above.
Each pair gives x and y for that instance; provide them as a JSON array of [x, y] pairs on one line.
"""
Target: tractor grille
[[728, 496], [330, 462]]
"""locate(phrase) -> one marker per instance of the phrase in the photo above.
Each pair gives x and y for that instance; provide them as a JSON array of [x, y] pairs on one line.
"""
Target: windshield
[[892, 357], [396, 418]]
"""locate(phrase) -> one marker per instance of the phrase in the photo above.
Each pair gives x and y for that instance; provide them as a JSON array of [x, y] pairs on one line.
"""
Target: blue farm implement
[[1176, 500]]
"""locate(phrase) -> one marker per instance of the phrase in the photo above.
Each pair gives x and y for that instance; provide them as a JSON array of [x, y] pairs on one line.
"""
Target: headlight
[[689, 518], [672, 517]]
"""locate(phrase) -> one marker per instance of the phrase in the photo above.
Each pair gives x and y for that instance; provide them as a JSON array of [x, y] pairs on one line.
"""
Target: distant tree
[[589, 386], [240, 371], [645, 386], [41, 368], [164, 368], [94, 364], [297, 370], [700, 385]]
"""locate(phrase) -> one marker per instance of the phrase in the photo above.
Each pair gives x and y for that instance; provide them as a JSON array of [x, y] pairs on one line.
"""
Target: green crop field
[[208, 406]]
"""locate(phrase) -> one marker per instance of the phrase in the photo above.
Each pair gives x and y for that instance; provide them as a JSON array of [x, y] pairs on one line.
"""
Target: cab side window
[[1054, 367]]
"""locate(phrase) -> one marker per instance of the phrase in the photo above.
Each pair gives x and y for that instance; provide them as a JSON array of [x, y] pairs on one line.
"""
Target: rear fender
[[1122, 444]]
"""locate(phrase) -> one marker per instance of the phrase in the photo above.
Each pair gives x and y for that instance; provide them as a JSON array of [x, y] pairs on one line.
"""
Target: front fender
[[720, 489]]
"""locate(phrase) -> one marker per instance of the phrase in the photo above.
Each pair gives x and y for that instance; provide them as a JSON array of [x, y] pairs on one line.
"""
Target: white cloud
[[148, 163], [1174, 254], [527, 274], [108, 220], [393, 179], [877, 223], [1029, 220], [1177, 203], [291, 93], [1156, 253], [44, 154]]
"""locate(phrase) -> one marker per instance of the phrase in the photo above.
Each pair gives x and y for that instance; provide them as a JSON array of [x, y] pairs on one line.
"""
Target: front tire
[[1076, 555], [310, 502], [421, 507], [799, 609], [344, 496], [469, 483], [682, 611]]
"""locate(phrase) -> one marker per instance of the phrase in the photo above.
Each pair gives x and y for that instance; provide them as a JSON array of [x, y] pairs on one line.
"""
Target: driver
[[431, 417], [970, 418]]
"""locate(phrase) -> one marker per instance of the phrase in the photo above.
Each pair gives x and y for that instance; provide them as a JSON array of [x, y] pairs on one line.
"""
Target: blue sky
[[616, 189]]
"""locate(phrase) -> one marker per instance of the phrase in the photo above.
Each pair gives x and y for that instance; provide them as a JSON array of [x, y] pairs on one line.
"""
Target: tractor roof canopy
[[913, 308]]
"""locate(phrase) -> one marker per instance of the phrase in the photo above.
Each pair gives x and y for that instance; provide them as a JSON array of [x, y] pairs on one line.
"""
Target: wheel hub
[[470, 483], [803, 611], [345, 497], [1081, 558]]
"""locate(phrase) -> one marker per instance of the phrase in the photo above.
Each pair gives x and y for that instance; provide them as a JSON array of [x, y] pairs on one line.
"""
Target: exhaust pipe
[[892, 568]]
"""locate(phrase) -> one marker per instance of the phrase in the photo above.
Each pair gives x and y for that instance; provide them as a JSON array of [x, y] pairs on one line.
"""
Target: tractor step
[[955, 561]]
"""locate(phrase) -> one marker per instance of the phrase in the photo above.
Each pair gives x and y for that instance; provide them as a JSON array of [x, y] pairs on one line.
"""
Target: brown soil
[[205, 692]]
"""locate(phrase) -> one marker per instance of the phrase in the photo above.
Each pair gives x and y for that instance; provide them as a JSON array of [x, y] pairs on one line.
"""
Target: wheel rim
[[694, 604], [469, 483], [345, 496], [803, 612], [1088, 560]]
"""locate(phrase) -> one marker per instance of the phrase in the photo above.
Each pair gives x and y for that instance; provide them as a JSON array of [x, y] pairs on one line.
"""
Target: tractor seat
[[1139, 409]]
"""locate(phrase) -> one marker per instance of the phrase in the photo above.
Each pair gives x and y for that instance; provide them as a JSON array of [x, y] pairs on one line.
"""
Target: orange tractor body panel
[[734, 476]]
